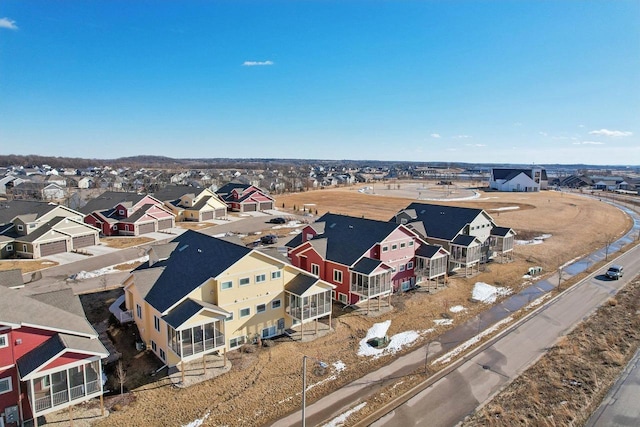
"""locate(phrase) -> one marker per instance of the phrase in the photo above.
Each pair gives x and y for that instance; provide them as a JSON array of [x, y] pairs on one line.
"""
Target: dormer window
[[121, 212], [20, 227]]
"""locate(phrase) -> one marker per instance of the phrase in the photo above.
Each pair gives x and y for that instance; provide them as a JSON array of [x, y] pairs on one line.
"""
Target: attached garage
[[52, 248], [266, 206], [207, 215], [146, 228], [163, 224], [249, 207], [221, 213], [84, 241]]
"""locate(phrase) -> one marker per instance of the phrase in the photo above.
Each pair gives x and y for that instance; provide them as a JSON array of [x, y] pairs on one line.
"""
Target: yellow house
[[191, 203], [199, 295]]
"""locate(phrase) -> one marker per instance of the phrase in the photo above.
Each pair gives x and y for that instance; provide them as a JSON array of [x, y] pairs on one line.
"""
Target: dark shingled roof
[[228, 188], [500, 231], [173, 192], [109, 200], [9, 209], [41, 231], [366, 265], [138, 214], [463, 240], [443, 222], [348, 238], [197, 258], [428, 251], [32, 360], [300, 284], [183, 312]]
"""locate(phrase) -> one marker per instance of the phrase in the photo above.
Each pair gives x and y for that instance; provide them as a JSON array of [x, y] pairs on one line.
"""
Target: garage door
[[163, 224], [266, 206], [84, 241], [146, 228], [51, 248], [249, 207], [220, 213], [206, 216]]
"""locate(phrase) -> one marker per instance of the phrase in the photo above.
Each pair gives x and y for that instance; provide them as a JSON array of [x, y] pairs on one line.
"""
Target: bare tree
[[121, 375]]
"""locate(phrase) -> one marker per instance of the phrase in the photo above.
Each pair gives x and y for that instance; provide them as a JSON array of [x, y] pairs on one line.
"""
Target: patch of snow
[[535, 241], [457, 309], [527, 276], [537, 302], [341, 419], [198, 422], [396, 343], [82, 275], [488, 294], [443, 322], [339, 366], [506, 208], [569, 262], [470, 342]]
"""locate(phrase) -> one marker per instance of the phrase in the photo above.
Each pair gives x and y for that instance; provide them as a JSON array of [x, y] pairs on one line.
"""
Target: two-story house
[[245, 197], [518, 179], [30, 229], [192, 203], [127, 214], [199, 294], [469, 235], [365, 258], [50, 356]]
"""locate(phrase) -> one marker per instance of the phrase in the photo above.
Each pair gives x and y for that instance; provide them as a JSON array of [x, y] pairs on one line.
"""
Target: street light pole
[[304, 387]]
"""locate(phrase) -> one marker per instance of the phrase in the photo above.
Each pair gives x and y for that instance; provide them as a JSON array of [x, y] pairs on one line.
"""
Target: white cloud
[[8, 24], [543, 133], [475, 145], [462, 136], [611, 133], [256, 63], [580, 126], [435, 135], [588, 143]]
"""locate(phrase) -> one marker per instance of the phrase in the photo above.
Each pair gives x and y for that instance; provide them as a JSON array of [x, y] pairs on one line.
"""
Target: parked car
[[615, 272], [269, 239], [277, 220]]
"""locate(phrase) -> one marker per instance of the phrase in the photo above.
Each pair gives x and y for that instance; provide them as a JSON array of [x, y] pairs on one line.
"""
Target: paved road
[[621, 406]]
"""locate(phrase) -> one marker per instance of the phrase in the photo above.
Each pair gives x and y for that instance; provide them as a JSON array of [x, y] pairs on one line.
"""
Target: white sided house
[[526, 180]]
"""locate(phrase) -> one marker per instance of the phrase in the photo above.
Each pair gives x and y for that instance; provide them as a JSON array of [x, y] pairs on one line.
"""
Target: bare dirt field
[[265, 385], [568, 383]]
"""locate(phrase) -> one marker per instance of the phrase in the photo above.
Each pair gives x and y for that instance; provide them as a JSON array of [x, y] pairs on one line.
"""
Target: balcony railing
[[202, 346], [371, 291], [309, 312], [126, 316], [62, 397]]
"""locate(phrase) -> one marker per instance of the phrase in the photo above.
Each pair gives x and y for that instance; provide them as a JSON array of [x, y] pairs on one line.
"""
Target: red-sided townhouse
[[245, 197], [127, 214], [365, 258], [50, 356]]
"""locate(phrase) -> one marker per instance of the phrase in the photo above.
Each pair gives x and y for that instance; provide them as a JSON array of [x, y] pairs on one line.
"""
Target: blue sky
[[469, 81]]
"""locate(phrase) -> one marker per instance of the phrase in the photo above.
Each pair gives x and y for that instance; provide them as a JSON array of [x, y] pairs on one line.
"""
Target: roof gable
[[443, 222]]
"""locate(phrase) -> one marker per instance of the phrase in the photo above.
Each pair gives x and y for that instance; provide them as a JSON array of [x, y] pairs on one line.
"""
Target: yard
[[123, 242], [265, 385]]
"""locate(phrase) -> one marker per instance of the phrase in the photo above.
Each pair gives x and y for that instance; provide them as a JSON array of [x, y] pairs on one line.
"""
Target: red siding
[[6, 353], [65, 359], [30, 337], [11, 398]]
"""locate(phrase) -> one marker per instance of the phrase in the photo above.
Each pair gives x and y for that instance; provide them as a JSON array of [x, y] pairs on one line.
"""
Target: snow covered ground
[[396, 342], [535, 241], [342, 418], [106, 270], [457, 309], [198, 422], [488, 294]]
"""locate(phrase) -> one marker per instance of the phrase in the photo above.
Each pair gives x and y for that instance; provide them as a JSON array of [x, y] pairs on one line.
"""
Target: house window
[[244, 312], [226, 285], [394, 247], [410, 243], [261, 308], [333, 294], [229, 318], [244, 281], [20, 227], [163, 355], [269, 332], [403, 244], [156, 323], [261, 278], [337, 276], [276, 303], [120, 212], [385, 248], [315, 269], [154, 346], [410, 265], [139, 311], [4, 342], [401, 267], [236, 342], [342, 297], [276, 275], [5, 385], [32, 226], [9, 248], [24, 248]]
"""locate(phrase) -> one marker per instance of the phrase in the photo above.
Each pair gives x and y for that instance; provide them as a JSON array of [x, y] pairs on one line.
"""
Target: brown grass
[[567, 384], [265, 385], [189, 225], [27, 266], [124, 242]]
